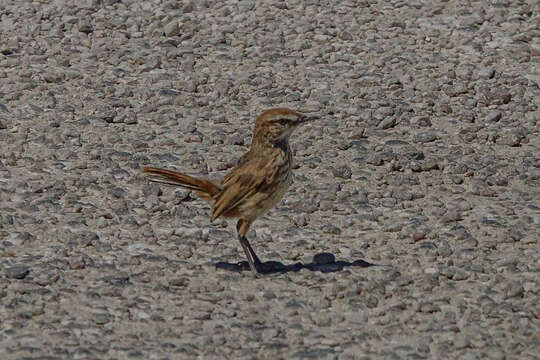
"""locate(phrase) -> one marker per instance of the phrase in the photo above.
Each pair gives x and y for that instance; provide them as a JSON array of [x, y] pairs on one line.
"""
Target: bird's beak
[[308, 118]]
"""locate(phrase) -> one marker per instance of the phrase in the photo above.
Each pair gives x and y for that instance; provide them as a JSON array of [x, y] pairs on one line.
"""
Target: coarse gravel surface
[[426, 164]]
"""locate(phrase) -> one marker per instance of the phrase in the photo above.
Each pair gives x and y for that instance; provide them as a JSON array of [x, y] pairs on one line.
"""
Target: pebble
[[425, 137], [17, 272], [331, 229], [493, 116], [343, 172], [388, 123], [375, 159], [85, 26], [171, 29]]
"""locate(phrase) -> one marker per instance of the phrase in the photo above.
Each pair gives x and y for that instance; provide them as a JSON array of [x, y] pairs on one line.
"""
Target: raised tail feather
[[205, 188]]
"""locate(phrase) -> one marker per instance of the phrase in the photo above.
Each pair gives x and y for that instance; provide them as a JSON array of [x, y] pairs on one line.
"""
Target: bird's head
[[276, 125]]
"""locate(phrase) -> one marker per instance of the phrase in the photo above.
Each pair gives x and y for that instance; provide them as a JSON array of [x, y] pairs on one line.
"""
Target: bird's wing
[[249, 177]]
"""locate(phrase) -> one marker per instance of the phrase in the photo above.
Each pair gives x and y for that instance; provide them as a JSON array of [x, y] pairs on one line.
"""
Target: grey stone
[[498, 96], [375, 159], [343, 172], [425, 137], [514, 289], [493, 116], [17, 272], [129, 117], [512, 138], [485, 73], [85, 26], [422, 121], [331, 229], [388, 122], [428, 307], [456, 90], [172, 28]]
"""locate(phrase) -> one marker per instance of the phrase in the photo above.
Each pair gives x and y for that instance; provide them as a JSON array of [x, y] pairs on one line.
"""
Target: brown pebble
[[418, 236]]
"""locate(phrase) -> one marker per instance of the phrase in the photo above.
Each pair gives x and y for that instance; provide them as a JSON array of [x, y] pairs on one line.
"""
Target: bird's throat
[[282, 144]]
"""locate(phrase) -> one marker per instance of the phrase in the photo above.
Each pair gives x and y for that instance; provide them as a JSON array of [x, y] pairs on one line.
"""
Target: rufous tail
[[205, 188]]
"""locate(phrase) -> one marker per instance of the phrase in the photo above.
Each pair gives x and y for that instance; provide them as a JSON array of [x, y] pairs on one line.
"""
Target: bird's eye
[[283, 121]]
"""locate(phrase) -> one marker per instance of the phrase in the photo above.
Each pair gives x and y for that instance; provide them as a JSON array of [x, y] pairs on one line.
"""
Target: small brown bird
[[257, 182]]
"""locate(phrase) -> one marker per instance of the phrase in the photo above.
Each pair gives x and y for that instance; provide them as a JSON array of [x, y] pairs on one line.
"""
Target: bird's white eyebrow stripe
[[288, 117]]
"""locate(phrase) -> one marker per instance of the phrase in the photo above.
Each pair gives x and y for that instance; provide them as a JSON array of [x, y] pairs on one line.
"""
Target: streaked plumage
[[257, 182]]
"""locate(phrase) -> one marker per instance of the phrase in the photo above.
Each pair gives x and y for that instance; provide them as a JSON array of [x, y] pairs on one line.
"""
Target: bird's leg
[[254, 262], [251, 261], [253, 255]]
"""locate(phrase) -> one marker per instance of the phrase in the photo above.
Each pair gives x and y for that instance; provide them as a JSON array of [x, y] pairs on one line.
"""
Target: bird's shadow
[[323, 262]]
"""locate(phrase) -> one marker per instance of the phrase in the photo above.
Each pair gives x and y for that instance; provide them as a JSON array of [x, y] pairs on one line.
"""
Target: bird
[[257, 182]]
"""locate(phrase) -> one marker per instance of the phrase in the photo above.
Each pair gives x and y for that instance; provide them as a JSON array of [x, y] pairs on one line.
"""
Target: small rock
[[396, 142], [235, 139], [300, 219], [269, 294], [188, 8], [17, 272], [496, 354], [101, 319], [372, 301], [47, 279], [200, 315], [444, 249], [460, 274], [345, 35], [497, 180], [446, 108], [269, 334], [85, 26], [422, 121], [447, 271], [180, 282], [456, 179], [220, 120], [425, 137], [455, 90], [429, 164], [117, 280], [374, 159], [322, 320], [190, 85], [427, 245], [486, 73], [530, 239], [513, 139], [451, 216], [493, 116], [343, 172], [388, 122], [499, 96], [293, 254], [428, 307], [77, 263], [172, 29], [129, 117], [514, 289], [331, 229], [321, 302]]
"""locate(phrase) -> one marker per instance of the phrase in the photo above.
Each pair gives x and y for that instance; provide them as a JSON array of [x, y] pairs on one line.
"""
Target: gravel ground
[[426, 163]]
